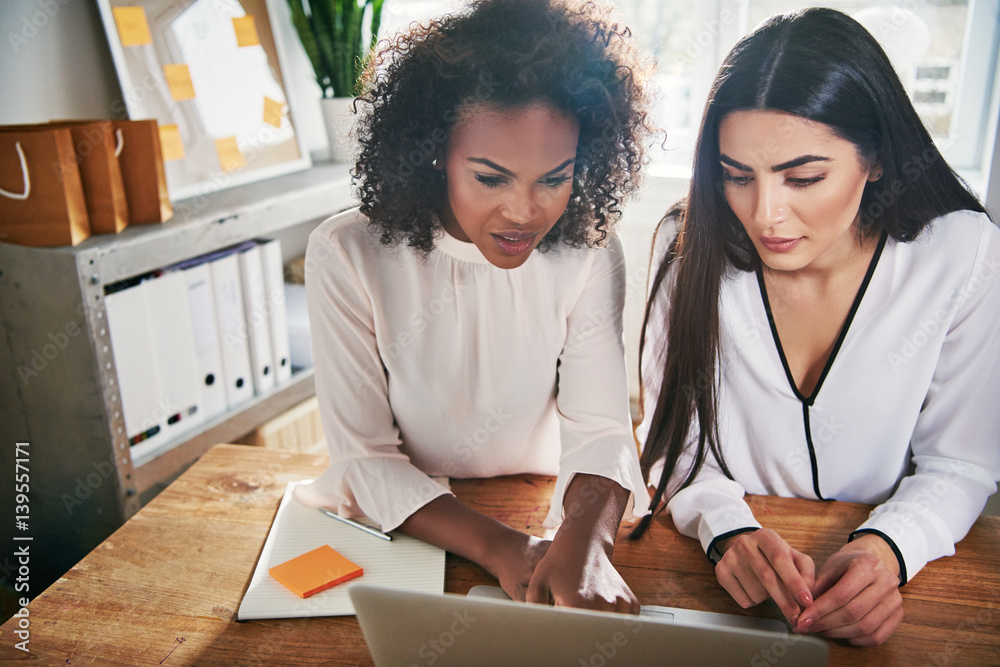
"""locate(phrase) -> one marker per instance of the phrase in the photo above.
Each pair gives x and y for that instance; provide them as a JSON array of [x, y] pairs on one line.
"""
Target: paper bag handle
[[24, 175], [120, 142]]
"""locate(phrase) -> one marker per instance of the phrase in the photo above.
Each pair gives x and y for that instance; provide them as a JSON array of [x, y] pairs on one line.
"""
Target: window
[[944, 50]]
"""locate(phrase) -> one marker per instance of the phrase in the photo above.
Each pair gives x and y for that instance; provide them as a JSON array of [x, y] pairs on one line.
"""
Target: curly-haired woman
[[444, 343]]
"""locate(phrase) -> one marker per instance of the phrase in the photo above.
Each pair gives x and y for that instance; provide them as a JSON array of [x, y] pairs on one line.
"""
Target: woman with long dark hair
[[467, 318], [825, 323]]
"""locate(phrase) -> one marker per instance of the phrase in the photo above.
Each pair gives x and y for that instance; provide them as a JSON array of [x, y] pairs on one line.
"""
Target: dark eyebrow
[[725, 159], [491, 165], [791, 164], [562, 166], [798, 162], [508, 172]]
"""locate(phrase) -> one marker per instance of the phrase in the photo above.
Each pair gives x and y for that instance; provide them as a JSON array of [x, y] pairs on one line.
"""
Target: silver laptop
[[409, 628]]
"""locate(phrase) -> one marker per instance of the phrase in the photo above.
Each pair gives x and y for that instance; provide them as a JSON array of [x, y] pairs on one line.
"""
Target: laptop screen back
[[409, 628]]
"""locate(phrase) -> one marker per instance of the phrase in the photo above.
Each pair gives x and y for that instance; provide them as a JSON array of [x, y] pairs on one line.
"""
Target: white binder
[[274, 288], [208, 351], [258, 326], [132, 346], [235, 348], [175, 357], [153, 345], [299, 338]]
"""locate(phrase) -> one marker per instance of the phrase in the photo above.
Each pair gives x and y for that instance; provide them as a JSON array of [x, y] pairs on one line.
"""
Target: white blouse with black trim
[[905, 415]]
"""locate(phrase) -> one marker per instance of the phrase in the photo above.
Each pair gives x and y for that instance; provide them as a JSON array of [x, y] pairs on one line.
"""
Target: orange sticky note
[[133, 29], [246, 31], [179, 80], [315, 571], [272, 111], [170, 143], [230, 156]]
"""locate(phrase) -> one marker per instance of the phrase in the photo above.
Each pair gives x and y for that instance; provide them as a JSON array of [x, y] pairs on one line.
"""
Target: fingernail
[[805, 624], [795, 620], [805, 598]]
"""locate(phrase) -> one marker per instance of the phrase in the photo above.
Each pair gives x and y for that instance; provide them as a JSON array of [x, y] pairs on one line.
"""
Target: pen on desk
[[361, 526]]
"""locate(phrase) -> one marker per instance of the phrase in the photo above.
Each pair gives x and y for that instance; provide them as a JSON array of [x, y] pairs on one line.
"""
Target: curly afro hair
[[505, 54]]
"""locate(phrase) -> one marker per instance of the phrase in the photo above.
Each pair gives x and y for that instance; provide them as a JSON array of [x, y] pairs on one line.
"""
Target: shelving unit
[[59, 389]]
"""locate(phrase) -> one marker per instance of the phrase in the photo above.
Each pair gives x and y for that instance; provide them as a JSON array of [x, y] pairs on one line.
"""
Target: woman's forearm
[[449, 524], [593, 507]]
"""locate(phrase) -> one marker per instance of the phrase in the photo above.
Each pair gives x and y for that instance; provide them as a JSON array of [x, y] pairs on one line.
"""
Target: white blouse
[[905, 416], [447, 365]]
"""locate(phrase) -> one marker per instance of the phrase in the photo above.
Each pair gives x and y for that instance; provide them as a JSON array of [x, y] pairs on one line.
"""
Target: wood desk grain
[[164, 589]]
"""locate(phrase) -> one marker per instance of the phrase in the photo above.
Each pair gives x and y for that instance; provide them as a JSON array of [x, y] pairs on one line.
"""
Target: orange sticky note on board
[[170, 143], [315, 571], [246, 31], [230, 155], [133, 30], [272, 111], [179, 80]]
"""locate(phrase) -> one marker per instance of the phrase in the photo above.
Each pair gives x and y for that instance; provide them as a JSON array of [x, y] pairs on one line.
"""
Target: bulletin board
[[209, 72]]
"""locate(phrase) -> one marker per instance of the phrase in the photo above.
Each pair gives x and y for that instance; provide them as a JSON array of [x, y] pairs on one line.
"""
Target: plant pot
[[338, 118]]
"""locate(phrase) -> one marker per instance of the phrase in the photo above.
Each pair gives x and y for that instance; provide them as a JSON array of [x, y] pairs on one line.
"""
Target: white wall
[[56, 63]]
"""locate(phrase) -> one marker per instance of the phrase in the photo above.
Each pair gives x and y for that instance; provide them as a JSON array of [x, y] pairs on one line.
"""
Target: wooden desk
[[164, 589]]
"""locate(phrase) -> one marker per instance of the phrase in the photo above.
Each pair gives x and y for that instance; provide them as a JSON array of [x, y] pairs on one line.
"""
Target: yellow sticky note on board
[[179, 80], [170, 143], [230, 156], [315, 571], [133, 29], [246, 31], [272, 111]]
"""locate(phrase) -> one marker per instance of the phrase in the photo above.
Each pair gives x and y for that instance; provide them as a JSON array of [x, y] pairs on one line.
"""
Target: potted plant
[[338, 37]]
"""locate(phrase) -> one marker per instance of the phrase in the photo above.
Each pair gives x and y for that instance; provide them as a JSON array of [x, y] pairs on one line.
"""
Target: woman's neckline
[[841, 336], [465, 251]]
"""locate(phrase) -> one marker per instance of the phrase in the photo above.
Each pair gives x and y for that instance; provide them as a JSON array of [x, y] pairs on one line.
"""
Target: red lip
[[515, 235], [778, 244], [514, 242]]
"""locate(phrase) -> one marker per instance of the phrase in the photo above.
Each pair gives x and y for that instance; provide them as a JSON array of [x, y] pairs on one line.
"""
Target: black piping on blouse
[[807, 401]]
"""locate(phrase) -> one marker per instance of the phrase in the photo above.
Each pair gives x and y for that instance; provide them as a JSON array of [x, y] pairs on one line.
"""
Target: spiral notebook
[[405, 563]]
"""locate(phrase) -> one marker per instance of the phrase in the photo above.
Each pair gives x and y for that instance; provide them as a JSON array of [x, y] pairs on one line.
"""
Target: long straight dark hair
[[821, 65]]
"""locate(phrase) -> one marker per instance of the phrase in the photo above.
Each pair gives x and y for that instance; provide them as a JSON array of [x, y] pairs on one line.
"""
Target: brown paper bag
[[95, 146], [41, 194], [143, 173]]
